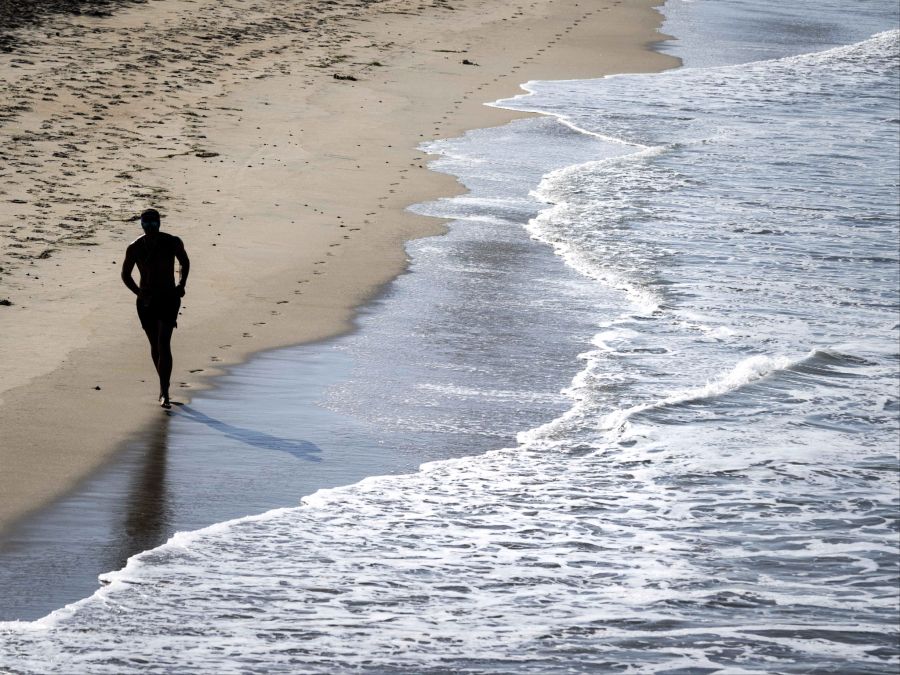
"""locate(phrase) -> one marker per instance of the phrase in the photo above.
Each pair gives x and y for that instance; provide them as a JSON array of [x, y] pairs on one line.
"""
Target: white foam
[[747, 371]]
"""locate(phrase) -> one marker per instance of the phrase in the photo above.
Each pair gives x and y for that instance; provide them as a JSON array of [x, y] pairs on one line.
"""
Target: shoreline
[[316, 275]]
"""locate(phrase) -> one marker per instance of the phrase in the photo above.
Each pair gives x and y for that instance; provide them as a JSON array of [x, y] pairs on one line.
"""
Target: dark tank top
[[156, 261]]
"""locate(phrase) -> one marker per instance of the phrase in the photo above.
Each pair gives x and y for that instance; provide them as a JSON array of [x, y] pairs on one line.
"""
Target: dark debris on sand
[[21, 13], [90, 106]]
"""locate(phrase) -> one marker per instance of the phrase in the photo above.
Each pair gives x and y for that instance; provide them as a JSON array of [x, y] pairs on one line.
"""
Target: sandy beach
[[279, 141]]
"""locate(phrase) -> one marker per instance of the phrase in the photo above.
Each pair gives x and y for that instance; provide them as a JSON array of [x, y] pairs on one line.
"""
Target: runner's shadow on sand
[[299, 449]]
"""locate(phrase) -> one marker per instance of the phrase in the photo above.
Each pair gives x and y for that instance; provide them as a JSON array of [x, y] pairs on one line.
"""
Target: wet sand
[[232, 452], [278, 141]]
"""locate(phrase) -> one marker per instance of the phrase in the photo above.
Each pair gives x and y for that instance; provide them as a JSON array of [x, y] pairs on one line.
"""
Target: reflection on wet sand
[[147, 519], [54, 556], [188, 469]]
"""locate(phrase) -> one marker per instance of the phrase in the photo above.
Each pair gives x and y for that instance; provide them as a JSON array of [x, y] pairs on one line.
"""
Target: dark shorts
[[159, 308]]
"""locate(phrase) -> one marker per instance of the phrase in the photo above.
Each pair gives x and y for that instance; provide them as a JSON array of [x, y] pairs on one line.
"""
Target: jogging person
[[158, 297]]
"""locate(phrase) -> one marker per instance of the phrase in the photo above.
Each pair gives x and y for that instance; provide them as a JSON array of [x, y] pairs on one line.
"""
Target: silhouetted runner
[[158, 298]]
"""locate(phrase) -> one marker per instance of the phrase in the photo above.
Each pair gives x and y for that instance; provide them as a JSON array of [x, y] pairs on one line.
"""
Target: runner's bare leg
[[153, 338], [164, 362]]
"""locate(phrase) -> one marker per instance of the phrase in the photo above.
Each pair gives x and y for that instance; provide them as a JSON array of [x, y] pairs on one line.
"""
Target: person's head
[[150, 221]]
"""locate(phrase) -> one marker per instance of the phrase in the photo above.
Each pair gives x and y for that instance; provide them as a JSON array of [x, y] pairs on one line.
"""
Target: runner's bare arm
[[185, 263], [127, 269]]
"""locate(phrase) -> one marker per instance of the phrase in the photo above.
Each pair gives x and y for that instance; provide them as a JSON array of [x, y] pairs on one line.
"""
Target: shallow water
[[709, 255], [228, 453]]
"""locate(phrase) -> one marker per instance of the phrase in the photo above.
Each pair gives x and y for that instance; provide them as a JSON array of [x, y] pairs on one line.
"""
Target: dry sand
[[287, 182]]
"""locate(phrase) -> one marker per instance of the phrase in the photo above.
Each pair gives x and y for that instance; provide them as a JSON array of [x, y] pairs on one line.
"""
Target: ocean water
[[706, 262]]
